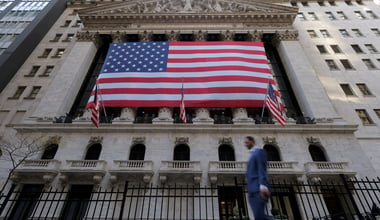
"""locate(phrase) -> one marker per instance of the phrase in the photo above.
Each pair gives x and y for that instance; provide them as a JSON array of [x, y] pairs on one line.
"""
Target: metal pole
[[356, 208], [123, 201]]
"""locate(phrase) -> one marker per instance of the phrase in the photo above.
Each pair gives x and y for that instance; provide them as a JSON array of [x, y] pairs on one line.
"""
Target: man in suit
[[257, 181]]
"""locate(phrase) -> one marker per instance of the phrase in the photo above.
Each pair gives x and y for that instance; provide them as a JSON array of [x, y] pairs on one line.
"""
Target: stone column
[[304, 80], [202, 115], [63, 90], [164, 116]]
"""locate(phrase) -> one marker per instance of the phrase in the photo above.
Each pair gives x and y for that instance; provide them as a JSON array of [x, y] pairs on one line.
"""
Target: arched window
[[181, 152], [316, 153], [226, 153], [49, 152], [93, 152], [137, 152], [272, 153]]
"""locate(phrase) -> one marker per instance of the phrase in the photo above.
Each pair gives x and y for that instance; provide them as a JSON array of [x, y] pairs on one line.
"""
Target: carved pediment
[[187, 6]]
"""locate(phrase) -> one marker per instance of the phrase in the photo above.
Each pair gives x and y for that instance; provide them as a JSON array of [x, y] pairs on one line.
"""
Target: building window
[[377, 111], [325, 33], [317, 154], [67, 23], [376, 31], [181, 152], [312, 33], [336, 48], [341, 15], [69, 38], [77, 202], [364, 117], [360, 2], [357, 33], [294, 4], [26, 201], [77, 23], [59, 53], [46, 53], [301, 16], [332, 65], [305, 4], [344, 32], [49, 152], [33, 71], [371, 48], [56, 38], [371, 14], [272, 152], [359, 15], [313, 16], [347, 89], [369, 63], [330, 15], [357, 48], [321, 3], [137, 152], [322, 49], [332, 3], [348, 2], [346, 64], [48, 71], [93, 152], [18, 92], [364, 89], [33, 94], [226, 153]]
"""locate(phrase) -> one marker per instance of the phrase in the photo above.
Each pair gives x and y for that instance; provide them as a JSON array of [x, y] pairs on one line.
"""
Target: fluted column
[[202, 115]]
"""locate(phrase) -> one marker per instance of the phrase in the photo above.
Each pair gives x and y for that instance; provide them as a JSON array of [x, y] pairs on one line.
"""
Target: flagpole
[[101, 100], [262, 112]]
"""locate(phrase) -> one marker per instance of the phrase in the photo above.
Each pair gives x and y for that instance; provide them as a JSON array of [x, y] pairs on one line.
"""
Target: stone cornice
[[189, 128]]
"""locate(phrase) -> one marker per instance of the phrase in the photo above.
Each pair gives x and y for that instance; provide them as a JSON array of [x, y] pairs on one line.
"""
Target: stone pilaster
[[202, 116], [164, 116], [240, 116]]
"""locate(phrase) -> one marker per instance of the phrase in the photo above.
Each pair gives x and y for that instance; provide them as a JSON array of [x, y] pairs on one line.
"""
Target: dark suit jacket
[[257, 170]]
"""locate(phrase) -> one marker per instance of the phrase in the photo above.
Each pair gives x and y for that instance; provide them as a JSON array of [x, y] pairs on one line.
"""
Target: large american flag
[[215, 74], [273, 102]]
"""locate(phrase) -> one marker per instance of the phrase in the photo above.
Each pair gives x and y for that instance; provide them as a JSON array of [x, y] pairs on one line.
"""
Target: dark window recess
[[132, 38], [221, 115], [317, 153], [49, 152], [137, 152], [159, 37], [93, 152], [181, 152], [186, 37], [241, 37], [272, 153], [290, 102], [89, 82], [190, 114], [26, 202], [145, 115], [214, 37], [77, 202], [226, 153], [231, 198]]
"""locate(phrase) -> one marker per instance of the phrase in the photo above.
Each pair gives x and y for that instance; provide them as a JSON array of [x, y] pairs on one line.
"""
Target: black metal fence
[[337, 199]]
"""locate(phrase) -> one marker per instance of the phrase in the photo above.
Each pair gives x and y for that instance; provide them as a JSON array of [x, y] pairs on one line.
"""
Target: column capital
[[86, 36], [286, 35], [256, 36], [228, 35], [173, 35], [118, 37], [200, 36], [145, 35]]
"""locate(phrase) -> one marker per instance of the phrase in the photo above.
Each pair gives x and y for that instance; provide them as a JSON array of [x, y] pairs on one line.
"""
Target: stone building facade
[[323, 139]]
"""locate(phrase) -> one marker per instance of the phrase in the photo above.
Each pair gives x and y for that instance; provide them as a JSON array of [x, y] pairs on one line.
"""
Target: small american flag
[[272, 101], [94, 106], [182, 107]]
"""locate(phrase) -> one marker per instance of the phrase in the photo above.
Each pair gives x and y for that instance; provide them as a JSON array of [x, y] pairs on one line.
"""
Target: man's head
[[249, 142]]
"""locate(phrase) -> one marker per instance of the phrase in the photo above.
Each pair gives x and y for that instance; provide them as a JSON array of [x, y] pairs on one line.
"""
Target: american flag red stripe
[[217, 74], [95, 106], [273, 103]]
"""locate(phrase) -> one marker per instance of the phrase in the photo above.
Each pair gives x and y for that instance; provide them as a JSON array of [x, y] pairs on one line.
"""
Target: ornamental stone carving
[[288, 35], [173, 36], [145, 36], [225, 140], [118, 37], [138, 140], [228, 36], [256, 36], [95, 140], [313, 140], [182, 140], [270, 140], [88, 37], [200, 36]]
